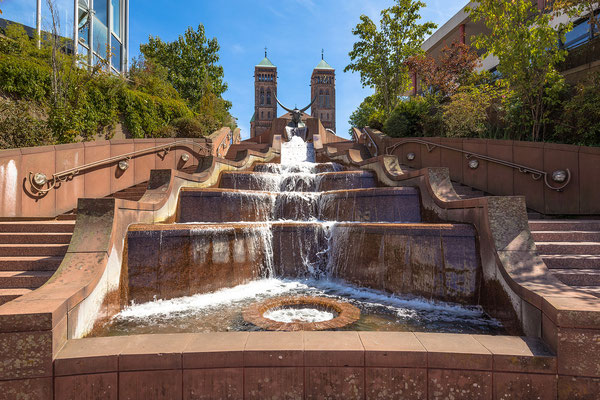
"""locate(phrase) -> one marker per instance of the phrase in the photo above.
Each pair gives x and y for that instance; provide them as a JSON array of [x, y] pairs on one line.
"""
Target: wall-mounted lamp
[[410, 156], [559, 176], [40, 179], [185, 157], [123, 165], [473, 164]]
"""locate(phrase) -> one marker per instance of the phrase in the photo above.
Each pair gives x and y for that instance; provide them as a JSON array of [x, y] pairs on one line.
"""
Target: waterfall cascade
[[307, 229]]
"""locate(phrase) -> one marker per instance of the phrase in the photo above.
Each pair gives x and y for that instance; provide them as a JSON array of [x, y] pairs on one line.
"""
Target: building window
[[268, 114], [115, 50], [262, 115], [116, 17], [582, 33], [262, 96], [327, 99], [268, 96], [321, 99], [327, 116]]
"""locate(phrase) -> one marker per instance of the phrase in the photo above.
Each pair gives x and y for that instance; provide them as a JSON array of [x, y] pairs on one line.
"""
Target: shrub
[[580, 120], [407, 118], [466, 114], [24, 77], [22, 125]]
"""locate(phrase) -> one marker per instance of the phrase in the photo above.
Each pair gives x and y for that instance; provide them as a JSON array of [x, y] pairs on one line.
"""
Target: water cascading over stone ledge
[[302, 220]]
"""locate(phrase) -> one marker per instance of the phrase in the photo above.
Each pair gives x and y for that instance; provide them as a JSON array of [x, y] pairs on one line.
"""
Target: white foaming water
[[297, 151], [289, 315], [417, 310]]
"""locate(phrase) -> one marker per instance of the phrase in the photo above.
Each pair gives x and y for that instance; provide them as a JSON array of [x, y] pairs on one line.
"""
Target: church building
[[322, 84]]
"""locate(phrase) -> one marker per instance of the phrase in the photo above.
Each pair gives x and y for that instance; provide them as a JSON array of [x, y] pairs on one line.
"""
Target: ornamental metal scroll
[[563, 178], [40, 184]]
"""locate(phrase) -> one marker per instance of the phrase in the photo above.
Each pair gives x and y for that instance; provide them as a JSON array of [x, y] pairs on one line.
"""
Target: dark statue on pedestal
[[296, 127]]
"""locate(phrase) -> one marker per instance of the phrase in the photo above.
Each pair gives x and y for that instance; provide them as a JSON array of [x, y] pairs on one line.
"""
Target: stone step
[[564, 225], [34, 238], [38, 226], [560, 261], [7, 295], [39, 263], [16, 250], [578, 277], [545, 248], [566, 236], [23, 279]]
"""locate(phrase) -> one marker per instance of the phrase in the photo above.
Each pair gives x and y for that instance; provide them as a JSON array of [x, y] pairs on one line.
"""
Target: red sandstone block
[[274, 349], [396, 383], [464, 385], [524, 386], [38, 389], [393, 349], [25, 355], [456, 351], [517, 354], [149, 352], [208, 384], [334, 383], [339, 349], [579, 352], [578, 388], [573, 310], [93, 386], [155, 385], [215, 350], [90, 356], [274, 383]]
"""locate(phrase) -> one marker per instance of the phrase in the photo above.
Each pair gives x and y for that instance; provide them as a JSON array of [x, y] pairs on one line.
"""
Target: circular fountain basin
[[301, 314]]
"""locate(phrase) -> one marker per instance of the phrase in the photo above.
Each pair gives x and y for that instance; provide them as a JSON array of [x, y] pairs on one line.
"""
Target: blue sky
[[294, 31]]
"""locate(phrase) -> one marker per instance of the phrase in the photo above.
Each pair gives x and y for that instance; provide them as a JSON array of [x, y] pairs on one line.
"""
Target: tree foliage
[[380, 53], [453, 68], [525, 43], [367, 114], [191, 64]]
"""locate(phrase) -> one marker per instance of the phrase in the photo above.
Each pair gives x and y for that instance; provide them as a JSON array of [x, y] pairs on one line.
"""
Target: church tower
[[322, 85], [265, 90]]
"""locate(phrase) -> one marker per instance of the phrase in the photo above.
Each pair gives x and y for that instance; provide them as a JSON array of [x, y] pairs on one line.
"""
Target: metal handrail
[[67, 175], [536, 174], [373, 144]]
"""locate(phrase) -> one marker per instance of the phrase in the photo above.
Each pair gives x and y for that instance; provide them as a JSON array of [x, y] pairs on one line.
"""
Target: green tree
[[191, 63], [526, 44], [367, 114], [379, 55]]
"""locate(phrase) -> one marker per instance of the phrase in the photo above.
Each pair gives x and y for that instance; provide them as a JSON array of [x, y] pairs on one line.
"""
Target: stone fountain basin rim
[[347, 314]]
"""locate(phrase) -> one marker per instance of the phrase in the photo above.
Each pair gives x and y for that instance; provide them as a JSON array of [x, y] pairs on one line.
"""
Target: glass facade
[[102, 27], [582, 33]]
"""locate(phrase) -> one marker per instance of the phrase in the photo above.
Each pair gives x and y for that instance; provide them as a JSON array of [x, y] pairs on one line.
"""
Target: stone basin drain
[[301, 314]]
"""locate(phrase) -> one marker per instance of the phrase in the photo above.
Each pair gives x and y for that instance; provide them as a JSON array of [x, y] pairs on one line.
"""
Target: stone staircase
[[571, 250], [30, 252]]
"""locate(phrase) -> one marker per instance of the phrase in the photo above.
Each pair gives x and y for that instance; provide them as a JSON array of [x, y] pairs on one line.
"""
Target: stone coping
[[305, 348], [361, 192], [413, 229]]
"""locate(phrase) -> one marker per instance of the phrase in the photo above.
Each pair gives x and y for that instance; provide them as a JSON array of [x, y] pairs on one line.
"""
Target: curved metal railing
[[40, 184], [562, 178]]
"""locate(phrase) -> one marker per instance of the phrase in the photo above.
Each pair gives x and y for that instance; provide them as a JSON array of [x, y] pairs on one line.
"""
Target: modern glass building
[[102, 32]]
